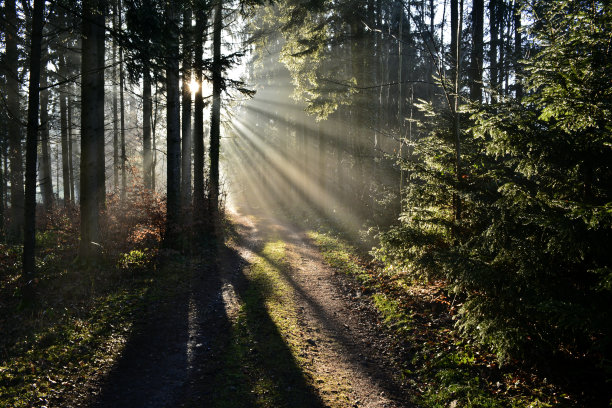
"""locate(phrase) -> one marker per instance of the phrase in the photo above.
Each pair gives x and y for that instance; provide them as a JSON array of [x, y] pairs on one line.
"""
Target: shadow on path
[[213, 344]]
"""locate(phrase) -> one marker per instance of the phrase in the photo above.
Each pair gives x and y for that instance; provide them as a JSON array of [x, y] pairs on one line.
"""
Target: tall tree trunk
[[71, 143], [400, 101], [454, 24], [15, 228], [29, 241], [116, 164], [2, 187], [186, 111], [122, 115], [518, 52], [146, 127], [46, 180], [215, 117], [64, 135], [198, 120], [154, 140], [477, 50], [493, 44], [92, 127], [457, 85], [173, 127]]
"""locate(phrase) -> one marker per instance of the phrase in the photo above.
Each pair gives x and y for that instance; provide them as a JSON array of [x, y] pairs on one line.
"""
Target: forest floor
[[277, 315], [271, 325]]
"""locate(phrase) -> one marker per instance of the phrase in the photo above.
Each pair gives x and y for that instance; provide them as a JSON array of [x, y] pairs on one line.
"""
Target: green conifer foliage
[[531, 257]]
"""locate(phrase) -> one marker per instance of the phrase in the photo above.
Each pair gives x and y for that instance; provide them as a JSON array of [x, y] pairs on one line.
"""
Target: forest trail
[[274, 327]]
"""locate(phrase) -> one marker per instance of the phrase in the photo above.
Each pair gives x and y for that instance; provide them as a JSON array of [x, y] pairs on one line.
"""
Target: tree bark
[[186, 109], [71, 142], [173, 128], [122, 115], [146, 127], [457, 85], [215, 117], [92, 127], [46, 181], [477, 50], [116, 164], [29, 241], [493, 44], [518, 53], [64, 135], [15, 228], [198, 121]]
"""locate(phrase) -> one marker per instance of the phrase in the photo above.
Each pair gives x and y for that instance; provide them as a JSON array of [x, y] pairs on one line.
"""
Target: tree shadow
[[188, 351], [258, 368], [361, 356], [167, 343]]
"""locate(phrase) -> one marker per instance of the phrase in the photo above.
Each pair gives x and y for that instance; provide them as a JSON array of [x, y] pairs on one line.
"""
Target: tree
[[476, 57], [198, 116], [15, 230], [147, 106], [92, 189], [173, 129], [215, 116], [46, 181], [186, 140], [29, 241], [64, 130]]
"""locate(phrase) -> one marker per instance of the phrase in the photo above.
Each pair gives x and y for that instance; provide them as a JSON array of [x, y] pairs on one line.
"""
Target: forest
[[305, 203]]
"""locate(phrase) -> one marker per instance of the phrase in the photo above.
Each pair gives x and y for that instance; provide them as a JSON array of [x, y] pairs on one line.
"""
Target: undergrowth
[[83, 314], [442, 369]]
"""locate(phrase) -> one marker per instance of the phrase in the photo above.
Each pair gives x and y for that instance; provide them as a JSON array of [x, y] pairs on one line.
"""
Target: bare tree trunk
[[115, 104], [154, 141], [518, 52], [46, 181], [477, 50], [146, 127], [2, 187], [400, 101], [215, 118], [186, 111], [122, 114], [70, 151], [493, 44], [92, 127], [64, 135], [29, 241], [198, 120], [173, 127], [15, 228], [457, 82]]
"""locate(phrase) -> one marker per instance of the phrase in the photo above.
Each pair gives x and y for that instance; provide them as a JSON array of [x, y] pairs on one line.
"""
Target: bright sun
[[194, 86]]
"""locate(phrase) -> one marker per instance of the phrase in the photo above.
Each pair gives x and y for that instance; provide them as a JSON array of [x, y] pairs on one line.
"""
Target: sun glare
[[194, 86]]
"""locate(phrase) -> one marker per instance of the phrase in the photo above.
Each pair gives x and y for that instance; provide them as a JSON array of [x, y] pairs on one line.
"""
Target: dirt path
[[183, 352], [345, 344]]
